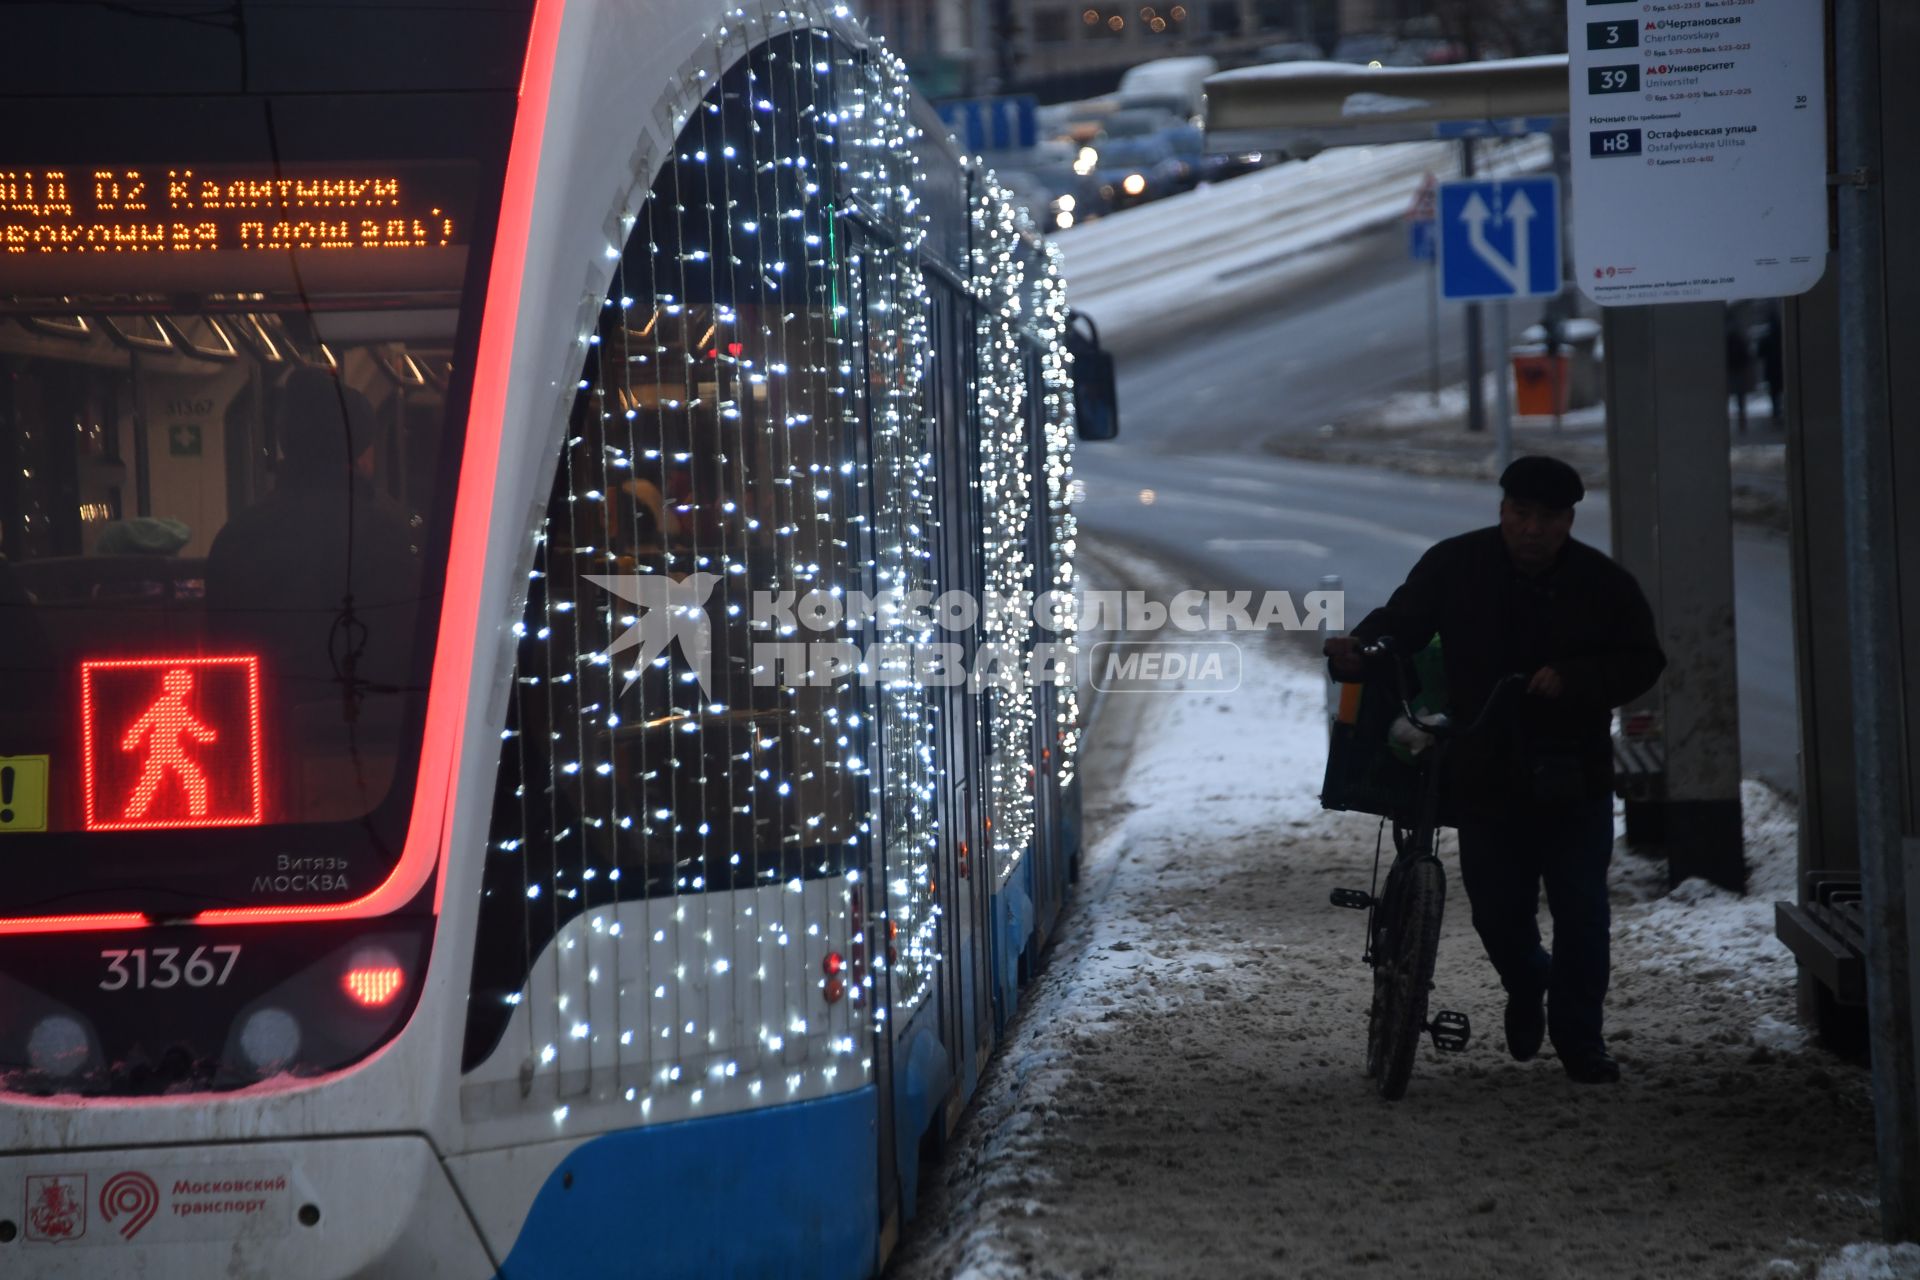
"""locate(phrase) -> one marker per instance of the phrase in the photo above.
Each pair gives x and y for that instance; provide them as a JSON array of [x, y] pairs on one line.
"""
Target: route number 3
[[160, 968], [1613, 35]]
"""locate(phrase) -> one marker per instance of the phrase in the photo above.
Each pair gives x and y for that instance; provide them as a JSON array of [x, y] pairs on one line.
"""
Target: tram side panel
[[856, 509], [673, 973]]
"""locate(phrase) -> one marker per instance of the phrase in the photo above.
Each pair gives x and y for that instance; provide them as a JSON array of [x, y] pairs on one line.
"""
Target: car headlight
[[1063, 219], [1134, 184], [1064, 203], [1085, 162]]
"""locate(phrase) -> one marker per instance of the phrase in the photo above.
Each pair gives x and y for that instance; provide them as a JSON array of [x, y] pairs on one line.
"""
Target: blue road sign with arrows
[[1500, 238]]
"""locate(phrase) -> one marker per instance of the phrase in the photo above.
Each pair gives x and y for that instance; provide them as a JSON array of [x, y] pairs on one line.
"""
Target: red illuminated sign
[[171, 742]]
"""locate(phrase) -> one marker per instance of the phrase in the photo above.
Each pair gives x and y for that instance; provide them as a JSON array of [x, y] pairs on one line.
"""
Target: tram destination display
[[148, 220]]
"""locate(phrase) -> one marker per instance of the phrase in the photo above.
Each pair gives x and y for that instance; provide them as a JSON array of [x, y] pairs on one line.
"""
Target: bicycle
[[1403, 921]]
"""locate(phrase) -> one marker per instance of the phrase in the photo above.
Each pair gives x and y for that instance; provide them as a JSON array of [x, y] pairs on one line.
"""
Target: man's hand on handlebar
[[1343, 657], [1546, 683]]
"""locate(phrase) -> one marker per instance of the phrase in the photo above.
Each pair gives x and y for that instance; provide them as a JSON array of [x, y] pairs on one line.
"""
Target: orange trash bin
[[1541, 384]]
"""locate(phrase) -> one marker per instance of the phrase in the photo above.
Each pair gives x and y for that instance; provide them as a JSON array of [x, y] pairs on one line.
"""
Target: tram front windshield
[[232, 392]]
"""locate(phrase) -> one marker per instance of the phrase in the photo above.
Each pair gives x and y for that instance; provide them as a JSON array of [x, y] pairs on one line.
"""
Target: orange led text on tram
[[121, 210]]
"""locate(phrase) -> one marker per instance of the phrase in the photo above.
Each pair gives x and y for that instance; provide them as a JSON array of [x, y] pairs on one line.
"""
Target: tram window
[[709, 458], [228, 462], [156, 503]]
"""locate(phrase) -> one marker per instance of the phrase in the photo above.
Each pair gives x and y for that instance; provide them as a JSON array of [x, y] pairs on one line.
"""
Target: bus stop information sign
[[1699, 149]]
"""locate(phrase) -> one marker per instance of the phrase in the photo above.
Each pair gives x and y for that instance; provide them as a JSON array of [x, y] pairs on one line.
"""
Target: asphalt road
[[1345, 327], [1188, 484]]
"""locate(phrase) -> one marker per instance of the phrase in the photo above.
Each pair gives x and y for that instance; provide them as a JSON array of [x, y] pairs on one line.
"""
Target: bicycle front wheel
[[1403, 974]]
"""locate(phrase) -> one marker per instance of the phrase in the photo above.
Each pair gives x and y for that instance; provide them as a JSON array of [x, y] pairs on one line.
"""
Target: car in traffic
[[1131, 161], [1174, 84], [1076, 122]]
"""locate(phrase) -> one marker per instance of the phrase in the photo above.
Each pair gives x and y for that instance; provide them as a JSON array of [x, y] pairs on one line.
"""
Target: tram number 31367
[[141, 969]]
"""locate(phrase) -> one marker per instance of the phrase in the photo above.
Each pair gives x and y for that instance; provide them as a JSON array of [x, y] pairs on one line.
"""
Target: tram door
[[1049, 871], [862, 348], [962, 712], [926, 910]]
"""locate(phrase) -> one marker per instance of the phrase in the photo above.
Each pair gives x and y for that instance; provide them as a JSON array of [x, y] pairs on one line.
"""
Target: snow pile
[[1873, 1262], [1182, 1094], [1723, 943]]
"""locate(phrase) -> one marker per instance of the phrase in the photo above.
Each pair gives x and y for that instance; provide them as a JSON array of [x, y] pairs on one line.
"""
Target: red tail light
[[373, 980]]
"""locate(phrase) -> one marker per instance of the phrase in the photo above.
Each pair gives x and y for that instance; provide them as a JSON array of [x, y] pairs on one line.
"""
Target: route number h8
[[160, 968]]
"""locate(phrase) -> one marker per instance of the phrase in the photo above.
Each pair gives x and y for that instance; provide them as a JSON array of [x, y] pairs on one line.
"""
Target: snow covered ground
[[1182, 1094]]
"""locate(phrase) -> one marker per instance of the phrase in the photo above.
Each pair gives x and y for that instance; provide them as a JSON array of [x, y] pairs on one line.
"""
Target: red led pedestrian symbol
[[171, 742], [160, 736]]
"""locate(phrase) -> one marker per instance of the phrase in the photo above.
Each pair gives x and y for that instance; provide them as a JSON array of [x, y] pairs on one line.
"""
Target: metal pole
[[1502, 384], [1003, 50], [980, 36], [1331, 582], [1866, 512], [1433, 320], [1555, 384], [1476, 358]]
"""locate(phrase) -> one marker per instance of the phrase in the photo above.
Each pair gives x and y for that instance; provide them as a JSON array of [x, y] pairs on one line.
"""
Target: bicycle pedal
[[1354, 899], [1450, 1031]]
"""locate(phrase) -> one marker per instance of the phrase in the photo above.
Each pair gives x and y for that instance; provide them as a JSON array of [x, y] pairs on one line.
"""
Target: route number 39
[[161, 968]]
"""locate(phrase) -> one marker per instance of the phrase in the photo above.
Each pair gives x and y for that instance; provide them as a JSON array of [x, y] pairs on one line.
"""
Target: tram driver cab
[[226, 481]]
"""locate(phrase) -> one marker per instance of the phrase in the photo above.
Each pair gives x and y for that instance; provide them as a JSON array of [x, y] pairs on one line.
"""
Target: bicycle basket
[[1365, 772]]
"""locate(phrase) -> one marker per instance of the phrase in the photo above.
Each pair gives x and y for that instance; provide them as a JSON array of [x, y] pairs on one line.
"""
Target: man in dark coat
[[1531, 794]]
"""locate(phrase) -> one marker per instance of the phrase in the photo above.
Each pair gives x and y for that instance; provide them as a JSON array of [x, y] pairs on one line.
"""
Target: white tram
[[482, 787]]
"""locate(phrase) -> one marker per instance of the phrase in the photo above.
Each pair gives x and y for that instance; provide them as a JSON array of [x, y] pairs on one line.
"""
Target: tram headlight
[[1064, 203], [1086, 161], [1063, 219], [1134, 184], [59, 1046], [270, 1040]]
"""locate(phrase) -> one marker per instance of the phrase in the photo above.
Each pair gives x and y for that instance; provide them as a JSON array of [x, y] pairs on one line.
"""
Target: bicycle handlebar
[[1383, 648]]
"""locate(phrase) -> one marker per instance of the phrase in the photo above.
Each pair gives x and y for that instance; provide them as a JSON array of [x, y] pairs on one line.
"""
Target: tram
[[493, 501]]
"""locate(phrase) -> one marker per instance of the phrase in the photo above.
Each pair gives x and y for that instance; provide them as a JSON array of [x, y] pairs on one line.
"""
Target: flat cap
[[1547, 481]]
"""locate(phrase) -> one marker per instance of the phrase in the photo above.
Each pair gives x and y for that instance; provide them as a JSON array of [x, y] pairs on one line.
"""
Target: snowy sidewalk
[[1182, 1094]]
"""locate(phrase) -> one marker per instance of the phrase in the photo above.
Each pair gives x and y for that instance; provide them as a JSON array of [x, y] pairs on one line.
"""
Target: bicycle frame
[[1415, 841]]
